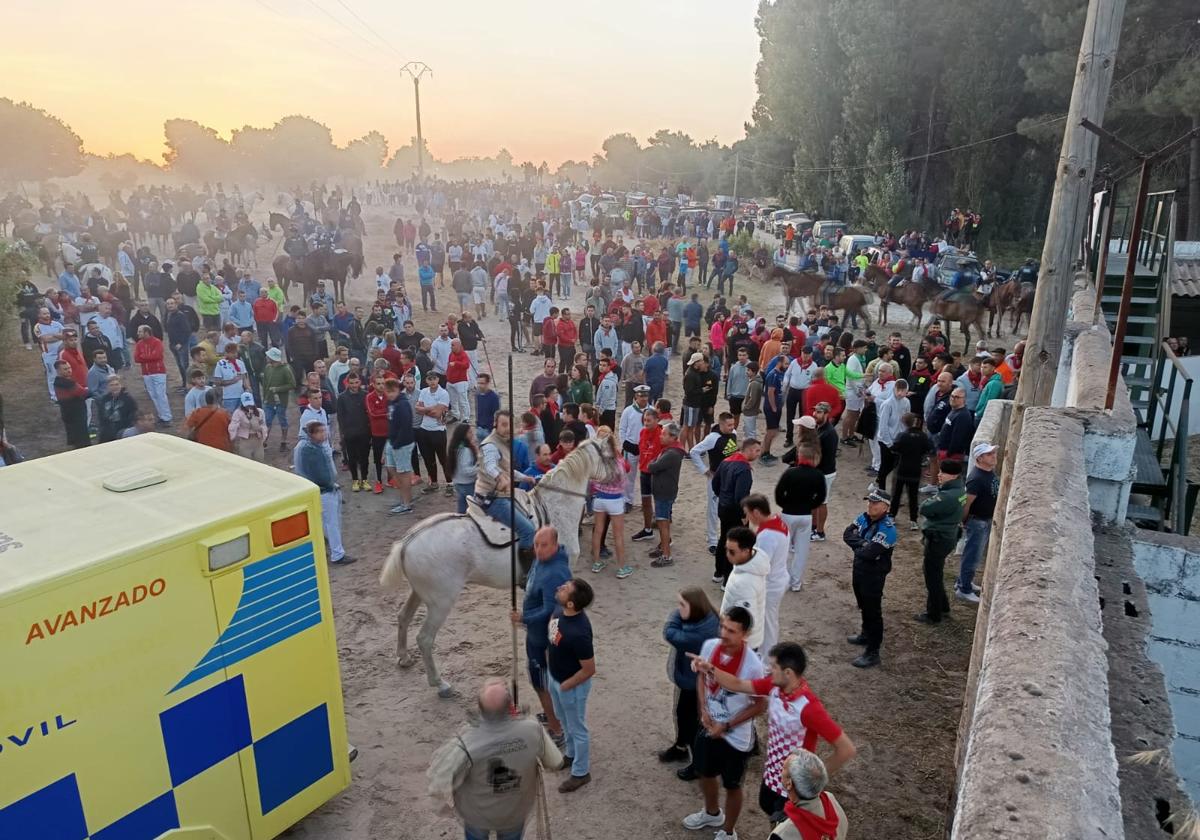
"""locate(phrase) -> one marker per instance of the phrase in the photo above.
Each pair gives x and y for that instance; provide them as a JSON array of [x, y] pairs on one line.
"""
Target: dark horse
[[322, 264], [798, 285]]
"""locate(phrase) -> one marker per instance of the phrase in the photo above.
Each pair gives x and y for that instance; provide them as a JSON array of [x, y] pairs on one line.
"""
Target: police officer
[[943, 516], [872, 538], [490, 770]]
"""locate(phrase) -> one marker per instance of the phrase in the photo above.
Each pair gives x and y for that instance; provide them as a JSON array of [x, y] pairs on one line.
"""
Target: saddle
[[493, 531]]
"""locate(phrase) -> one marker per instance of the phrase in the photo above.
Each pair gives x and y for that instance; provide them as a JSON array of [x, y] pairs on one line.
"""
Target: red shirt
[[549, 331], [656, 331], [457, 367], [568, 332], [78, 364], [649, 446], [819, 392], [377, 413], [793, 720], [148, 353], [650, 305], [265, 310], [392, 354]]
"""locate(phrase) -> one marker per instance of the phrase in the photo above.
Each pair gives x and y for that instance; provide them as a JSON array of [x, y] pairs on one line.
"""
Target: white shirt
[[383, 282], [235, 370], [797, 377], [429, 398], [631, 423], [776, 546], [724, 705], [890, 413], [439, 352]]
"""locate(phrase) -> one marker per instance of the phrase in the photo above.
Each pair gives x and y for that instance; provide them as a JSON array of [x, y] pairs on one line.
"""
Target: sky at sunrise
[[570, 75]]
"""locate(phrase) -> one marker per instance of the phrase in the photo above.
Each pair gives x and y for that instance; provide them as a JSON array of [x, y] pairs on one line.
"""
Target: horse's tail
[[393, 568]]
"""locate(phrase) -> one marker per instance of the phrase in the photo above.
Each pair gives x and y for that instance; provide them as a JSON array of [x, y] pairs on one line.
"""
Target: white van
[[827, 229], [855, 242]]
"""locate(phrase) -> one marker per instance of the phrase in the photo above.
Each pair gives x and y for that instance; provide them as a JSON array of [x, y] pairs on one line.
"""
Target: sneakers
[[712, 549], [767, 459], [871, 471], [913, 526], [662, 562], [574, 783], [431, 488], [923, 618], [857, 639], [673, 753], [703, 819], [725, 835], [816, 536], [345, 561], [449, 490], [598, 567], [717, 579], [687, 774], [378, 488], [624, 572], [867, 660], [642, 535], [969, 597], [657, 551], [795, 587], [605, 552], [401, 508]]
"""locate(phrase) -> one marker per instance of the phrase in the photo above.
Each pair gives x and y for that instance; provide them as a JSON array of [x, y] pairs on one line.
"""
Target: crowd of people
[[376, 398]]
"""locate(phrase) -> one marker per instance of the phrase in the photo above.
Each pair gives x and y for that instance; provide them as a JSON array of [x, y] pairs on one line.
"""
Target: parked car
[[856, 242], [946, 265], [828, 228]]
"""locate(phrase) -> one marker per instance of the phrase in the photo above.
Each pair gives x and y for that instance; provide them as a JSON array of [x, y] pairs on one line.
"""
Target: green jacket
[[835, 375], [943, 512], [208, 299], [991, 390], [278, 382]]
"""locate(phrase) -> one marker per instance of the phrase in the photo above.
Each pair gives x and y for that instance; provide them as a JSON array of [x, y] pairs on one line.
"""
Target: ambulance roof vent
[[133, 478]]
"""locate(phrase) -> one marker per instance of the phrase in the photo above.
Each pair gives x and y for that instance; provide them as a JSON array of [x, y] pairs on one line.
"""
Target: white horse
[[444, 552]]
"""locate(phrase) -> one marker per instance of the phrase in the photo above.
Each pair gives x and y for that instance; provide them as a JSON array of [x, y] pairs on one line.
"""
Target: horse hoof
[[405, 661], [445, 691]]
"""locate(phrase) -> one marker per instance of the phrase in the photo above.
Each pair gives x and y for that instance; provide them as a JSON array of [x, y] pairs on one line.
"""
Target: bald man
[[488, 773], [549, 572]]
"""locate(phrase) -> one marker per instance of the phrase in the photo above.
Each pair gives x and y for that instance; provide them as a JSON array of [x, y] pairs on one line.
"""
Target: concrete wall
[[1169, 565], [1038, 761]]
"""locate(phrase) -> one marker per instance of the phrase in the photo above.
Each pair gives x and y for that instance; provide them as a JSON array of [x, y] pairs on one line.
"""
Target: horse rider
[[1028, 273], [298, 211], [493, 490], [189, 233], [960, 281], [295, 246]]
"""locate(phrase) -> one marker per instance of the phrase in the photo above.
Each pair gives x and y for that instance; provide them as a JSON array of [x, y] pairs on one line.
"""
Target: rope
[[543, 810]]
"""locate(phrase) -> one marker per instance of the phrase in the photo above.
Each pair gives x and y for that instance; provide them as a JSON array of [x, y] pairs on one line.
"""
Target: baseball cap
[[275, 355], [981, 449], [878, 495], [806, 421], [696, 357], [247, 398]]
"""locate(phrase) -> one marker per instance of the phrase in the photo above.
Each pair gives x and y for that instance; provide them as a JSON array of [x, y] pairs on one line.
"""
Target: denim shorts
[[662, 509], [400, 459]]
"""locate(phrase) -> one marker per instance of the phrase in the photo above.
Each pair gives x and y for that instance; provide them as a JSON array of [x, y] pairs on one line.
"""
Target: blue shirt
[[242, 314], [250, 286], [655, 370], [69, 283], [426, 274], [487, 403]]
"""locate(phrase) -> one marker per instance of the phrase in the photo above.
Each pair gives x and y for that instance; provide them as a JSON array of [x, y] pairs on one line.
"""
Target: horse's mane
[[574, 467]]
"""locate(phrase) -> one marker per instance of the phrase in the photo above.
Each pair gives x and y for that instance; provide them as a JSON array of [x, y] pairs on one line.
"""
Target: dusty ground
[[902, 716]]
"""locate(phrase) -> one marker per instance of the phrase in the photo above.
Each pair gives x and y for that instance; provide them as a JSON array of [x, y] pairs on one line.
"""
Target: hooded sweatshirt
[[732, 481], [747, 587], [772, 539], [816, 819]]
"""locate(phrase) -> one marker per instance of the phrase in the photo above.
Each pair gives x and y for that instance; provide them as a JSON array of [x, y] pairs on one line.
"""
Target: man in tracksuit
[[943, 515], [545, 576], [731, 485], [872, 538]]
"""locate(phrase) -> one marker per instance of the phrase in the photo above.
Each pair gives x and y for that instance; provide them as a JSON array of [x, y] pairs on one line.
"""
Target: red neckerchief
[[733, 667], [737, 456], [810, 825], [775, 523], [806, 366], [974, 378]]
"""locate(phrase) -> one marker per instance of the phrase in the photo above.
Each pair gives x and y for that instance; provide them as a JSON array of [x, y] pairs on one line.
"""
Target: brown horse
[[967, 309], [1009, 296], [798, 285], [911, 296]]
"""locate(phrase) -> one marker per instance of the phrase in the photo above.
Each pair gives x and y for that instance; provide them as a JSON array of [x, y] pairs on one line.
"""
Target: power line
[[885, 164], [340, 22], [368, 27], [319, 37]]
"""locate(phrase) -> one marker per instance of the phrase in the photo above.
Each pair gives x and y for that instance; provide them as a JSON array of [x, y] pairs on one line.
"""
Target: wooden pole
[[1043, 347], [512, 521]]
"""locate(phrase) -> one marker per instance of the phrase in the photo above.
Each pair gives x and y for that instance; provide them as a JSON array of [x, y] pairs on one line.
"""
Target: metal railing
[[1177, 390]]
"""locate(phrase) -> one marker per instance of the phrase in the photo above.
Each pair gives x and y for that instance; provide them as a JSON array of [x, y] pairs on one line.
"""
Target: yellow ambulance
[[167, 640]]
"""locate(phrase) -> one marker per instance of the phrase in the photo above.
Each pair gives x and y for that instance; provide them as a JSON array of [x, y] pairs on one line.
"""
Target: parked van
[[827, 229], [855, 242]]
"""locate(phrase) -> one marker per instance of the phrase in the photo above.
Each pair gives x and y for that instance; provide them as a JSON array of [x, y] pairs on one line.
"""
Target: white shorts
[[829, 485], [613, 507], [478, 295]]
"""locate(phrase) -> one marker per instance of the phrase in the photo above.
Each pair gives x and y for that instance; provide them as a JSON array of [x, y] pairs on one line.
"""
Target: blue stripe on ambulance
[[279, 599]]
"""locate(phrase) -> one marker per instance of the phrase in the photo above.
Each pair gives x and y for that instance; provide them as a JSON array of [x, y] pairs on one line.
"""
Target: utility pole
[[737, 161], [417, 69], [1068, 208]]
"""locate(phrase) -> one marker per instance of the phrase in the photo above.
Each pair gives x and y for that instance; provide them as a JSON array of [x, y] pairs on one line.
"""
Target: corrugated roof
[[1185, 274]]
